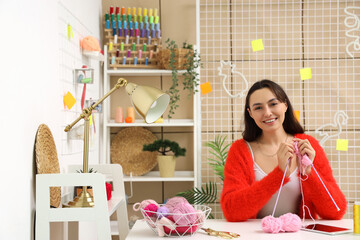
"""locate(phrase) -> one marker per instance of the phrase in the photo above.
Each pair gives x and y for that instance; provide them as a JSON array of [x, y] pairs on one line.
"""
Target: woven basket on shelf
[[126, 150], [180, 58]]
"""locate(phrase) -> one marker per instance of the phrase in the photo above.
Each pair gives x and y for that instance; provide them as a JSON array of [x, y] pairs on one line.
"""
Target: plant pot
[[180, 58], [166, 165]]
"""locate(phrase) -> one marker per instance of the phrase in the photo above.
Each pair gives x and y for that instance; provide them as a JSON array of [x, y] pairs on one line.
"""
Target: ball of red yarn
[[290, 222], [150, 209], [271, 225]]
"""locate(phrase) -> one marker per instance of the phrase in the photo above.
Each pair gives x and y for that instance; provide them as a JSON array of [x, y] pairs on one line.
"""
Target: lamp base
[[83, 200]]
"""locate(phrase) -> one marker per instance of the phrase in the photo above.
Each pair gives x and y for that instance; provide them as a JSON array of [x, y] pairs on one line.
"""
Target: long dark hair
[[291, 125]]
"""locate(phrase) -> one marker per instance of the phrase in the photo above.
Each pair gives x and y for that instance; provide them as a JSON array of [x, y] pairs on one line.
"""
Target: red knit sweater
[[243, 197]]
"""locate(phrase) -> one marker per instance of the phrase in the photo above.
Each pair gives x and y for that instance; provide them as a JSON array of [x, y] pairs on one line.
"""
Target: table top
[[248, 230]]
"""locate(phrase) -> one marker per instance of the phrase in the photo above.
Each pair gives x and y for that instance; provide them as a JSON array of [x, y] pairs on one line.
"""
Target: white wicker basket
[[164, 225]]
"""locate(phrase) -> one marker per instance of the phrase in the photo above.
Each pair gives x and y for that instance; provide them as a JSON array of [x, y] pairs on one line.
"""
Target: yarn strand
[[304, 207], [332, 199], [282, 182]]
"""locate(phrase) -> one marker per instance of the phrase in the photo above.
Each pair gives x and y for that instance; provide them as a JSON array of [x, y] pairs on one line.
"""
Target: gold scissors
[[222, 234]]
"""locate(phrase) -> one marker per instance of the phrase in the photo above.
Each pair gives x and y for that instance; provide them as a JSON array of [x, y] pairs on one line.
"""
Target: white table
[[248, 230]]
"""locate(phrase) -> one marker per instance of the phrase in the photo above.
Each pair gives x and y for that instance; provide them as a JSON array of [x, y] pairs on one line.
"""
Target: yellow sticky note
[[90, 120], [70, 32], [297, 115], [342, 144], [305, 73], [69, 100], [205, 88], [257, 45]]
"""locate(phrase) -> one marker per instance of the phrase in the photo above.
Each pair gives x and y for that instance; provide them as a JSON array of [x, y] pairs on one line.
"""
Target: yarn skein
[[143, 204], [151, 209], [162, 212], [286, 223]]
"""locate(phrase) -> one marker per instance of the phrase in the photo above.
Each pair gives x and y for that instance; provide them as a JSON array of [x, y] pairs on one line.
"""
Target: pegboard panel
[[71, 29], [308, 47]]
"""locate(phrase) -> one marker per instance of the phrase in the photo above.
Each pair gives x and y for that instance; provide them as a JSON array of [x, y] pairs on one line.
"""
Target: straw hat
[[47, 160], [126, 149]]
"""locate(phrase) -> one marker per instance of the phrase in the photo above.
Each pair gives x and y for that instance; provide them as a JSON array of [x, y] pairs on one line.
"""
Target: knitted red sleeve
[[316, 197], [242, 197]]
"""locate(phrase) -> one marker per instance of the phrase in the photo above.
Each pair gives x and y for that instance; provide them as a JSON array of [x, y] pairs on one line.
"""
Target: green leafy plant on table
[[186, 58], [219, 151]]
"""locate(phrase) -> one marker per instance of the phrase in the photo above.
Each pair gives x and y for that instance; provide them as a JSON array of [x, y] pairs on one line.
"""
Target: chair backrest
[[113, 173], [45, 214]]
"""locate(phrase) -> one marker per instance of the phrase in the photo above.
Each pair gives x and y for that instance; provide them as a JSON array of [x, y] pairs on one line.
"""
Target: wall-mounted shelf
[[154, 176], [141, 123], [141, 72]]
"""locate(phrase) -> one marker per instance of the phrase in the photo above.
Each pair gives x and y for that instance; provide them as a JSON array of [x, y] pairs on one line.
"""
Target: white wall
[[31, 94]]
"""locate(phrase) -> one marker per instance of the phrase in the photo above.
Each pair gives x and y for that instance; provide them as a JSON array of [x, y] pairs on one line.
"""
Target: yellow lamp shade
[[149, 102]]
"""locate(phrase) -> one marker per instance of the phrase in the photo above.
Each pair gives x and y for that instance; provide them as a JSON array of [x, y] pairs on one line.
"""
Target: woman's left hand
[[306, 148]]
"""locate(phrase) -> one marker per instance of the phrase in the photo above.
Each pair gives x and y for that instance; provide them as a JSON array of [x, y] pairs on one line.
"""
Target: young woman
[[256, 164]]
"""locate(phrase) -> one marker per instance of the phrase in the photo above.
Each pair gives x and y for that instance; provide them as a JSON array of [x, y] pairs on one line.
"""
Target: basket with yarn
[[175, 218]]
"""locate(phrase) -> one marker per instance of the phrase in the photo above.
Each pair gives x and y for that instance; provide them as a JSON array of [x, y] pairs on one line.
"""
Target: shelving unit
[[108, 123]]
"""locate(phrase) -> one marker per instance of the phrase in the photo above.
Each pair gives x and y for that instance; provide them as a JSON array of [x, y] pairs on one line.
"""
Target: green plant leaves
[[164, 146], [190, 76], [219, 152]]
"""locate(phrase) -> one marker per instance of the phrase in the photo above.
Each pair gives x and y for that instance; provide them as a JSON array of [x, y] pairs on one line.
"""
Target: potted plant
[[174, 58], [219, 151], [169, 151]]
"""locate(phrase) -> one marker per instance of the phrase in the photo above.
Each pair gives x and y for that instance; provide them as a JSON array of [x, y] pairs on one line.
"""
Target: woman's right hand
[[285, 152]]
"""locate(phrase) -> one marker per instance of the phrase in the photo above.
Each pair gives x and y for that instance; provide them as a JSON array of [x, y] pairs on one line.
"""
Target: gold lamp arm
[[84, 199], [87, 111]]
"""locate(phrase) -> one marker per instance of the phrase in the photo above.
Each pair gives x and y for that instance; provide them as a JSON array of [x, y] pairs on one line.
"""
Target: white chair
[[102, 209]]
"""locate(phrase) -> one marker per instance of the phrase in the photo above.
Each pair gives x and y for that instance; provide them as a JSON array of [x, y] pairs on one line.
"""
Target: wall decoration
[[224, 76], [340, 118], [69, 100], [352, 21], [305, 73], [257, 45], [342, 144], [205, 88]]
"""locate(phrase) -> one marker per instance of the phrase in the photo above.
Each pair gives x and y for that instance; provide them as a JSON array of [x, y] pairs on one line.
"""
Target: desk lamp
[[149, 102]]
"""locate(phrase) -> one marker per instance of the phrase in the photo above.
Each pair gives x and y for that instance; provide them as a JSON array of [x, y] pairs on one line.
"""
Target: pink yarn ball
[[271, 225], [290, 222], [150, 209], [172, 202], [184, 214]]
